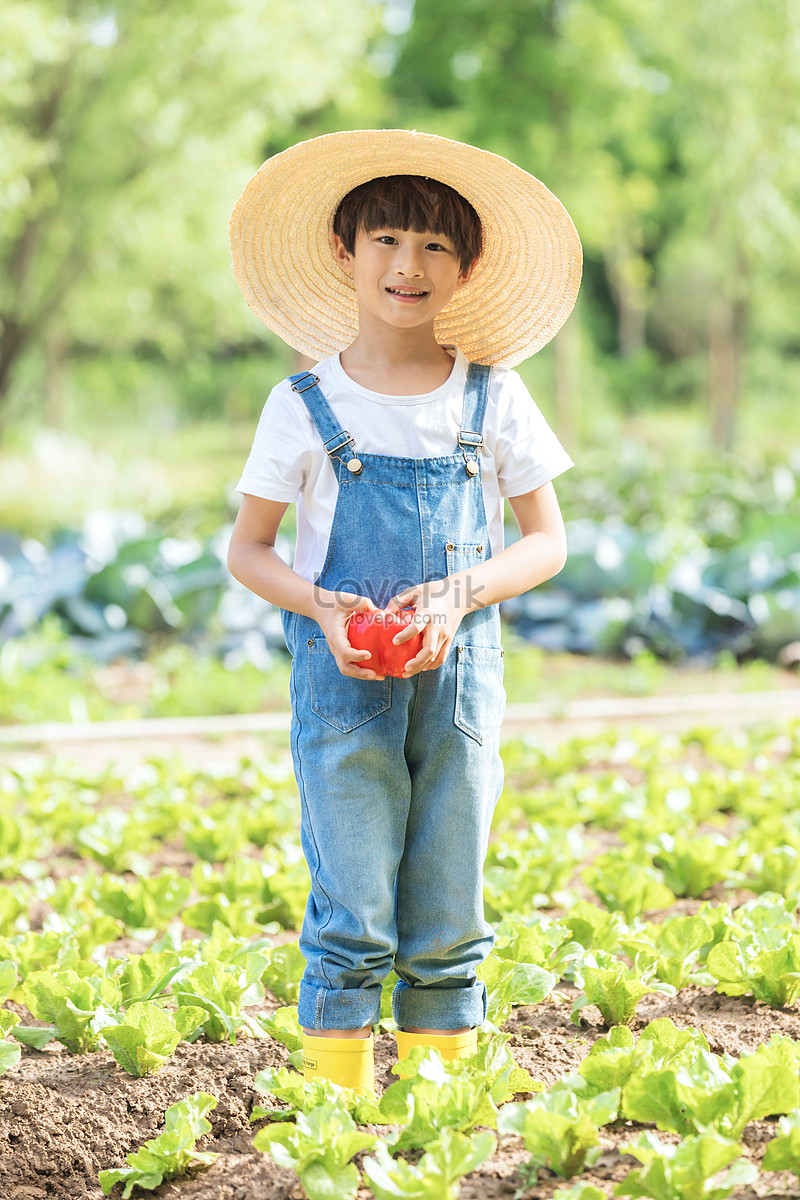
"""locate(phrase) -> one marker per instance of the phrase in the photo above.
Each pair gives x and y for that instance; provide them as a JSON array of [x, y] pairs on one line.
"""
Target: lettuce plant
[[436, 1175], [559, 1129], [690, 865], [714, 1094], [284, 970], [72, 1005], [615, 1058], [168, 1155], [9, 1051], [318, 1148], [510, 984], [783, 1151], [615, 988], [432, 1099], [302, 1096], [223, 993], [146, 1035], [747, 968], [671, 950], [689, 1171], [629, 887], [143, 904]]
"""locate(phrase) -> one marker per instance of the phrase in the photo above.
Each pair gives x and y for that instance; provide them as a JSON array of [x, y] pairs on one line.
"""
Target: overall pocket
[[341, 701], [480, 695]]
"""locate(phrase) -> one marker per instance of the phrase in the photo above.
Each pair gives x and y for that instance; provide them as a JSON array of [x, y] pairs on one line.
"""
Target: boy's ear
[[466, 275], [342, 255]]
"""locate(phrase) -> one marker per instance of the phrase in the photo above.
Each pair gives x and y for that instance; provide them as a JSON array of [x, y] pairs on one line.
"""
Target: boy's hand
[[335, 611], [440, 610]]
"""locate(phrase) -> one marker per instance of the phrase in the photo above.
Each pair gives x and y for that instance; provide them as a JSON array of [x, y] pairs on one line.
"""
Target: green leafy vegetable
[[319, 1149], [168, 1155], [147, 1035], [223, 992], [303, 1095], [436, 1175], [615, 988], [513, 983], [688, 1171], [559, 1130], [783, 1151], [749, 968], [73, 1006]]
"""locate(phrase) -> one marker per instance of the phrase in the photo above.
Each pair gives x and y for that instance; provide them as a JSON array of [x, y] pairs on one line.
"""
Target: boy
[[399, 261]]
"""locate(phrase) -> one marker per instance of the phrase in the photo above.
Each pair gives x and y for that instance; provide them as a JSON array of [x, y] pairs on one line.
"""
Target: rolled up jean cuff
[[439, 1007], [345, 1008]]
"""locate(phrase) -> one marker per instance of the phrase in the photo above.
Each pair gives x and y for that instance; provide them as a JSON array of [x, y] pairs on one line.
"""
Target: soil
[[64, 1118]]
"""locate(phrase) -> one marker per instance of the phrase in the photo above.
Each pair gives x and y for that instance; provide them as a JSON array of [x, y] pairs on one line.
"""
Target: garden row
[[147, 915]]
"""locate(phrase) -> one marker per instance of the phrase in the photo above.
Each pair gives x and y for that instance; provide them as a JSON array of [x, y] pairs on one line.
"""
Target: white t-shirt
[[287, 461]]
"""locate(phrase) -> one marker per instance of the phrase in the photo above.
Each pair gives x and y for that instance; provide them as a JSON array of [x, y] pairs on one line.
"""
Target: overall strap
[[476, 393], [336, 442]]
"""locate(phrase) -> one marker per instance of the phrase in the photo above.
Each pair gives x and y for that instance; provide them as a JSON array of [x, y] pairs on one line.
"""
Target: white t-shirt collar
[[456, 379]]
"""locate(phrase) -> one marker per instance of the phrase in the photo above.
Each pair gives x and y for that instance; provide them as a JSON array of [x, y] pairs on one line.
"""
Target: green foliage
[[688, 1171], [630, 887], [783, 1151], [9, 1052], [615, 988], [436, 1175], [146, 1036], [224, 993], [318, 1148], [168, 1155], [671, 950], [303, 1096], [690, 865], [510, 984], [559, 1129], [71, 1004], [284, 970], [749, 968], [433, 1099]]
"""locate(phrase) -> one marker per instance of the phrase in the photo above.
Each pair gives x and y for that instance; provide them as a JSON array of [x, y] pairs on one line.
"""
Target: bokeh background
[[132, 373]]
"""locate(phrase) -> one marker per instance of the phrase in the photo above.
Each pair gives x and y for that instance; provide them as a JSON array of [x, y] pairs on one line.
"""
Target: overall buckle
[[308, 375]]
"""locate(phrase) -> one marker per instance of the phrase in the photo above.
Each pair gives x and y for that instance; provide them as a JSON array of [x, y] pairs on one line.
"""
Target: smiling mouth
[[411, 293]]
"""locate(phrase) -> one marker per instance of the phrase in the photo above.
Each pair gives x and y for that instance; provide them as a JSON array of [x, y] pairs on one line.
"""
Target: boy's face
[[402, 279]]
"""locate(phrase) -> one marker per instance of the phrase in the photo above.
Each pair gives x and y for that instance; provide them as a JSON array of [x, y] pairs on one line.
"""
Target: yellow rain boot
[[449, 1045], [346, 1061]]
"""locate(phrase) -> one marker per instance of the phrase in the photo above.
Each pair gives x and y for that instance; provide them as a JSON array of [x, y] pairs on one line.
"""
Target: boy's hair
[[410, 202]]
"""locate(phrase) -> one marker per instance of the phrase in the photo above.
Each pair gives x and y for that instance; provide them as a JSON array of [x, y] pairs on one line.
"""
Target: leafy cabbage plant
[[318, 1148], [783, 1151], [689, 1171], [9, 1051], [146, 1035], [614, 987], [436, 1175], [559, 1129], [169, 1154]]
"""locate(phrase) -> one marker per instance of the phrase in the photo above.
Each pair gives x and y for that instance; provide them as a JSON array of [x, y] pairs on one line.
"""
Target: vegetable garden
[[643, 1036]]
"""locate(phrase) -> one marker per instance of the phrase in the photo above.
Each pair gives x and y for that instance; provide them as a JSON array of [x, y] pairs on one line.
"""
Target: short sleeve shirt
[[287, 462]]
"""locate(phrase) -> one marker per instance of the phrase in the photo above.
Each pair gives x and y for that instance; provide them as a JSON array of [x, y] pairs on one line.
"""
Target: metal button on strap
[[472, 467], [355, 466]]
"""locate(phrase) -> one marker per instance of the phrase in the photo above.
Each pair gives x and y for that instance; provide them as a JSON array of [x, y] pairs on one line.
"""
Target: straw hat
[[521, 291]]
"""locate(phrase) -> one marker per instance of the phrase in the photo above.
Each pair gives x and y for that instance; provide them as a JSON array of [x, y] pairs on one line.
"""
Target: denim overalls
[[398, 778]]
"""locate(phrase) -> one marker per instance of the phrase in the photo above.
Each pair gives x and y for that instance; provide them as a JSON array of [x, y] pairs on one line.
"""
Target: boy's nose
[[408, 263]]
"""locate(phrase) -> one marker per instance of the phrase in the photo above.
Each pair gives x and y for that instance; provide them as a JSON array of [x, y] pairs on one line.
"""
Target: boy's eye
[[387, 239]]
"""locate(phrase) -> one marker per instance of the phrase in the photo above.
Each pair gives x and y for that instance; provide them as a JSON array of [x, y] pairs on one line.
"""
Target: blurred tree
[[670, 133], [127, 129]]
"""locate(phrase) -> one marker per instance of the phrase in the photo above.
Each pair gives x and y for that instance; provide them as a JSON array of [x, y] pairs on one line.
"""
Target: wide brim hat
[[520, 293]]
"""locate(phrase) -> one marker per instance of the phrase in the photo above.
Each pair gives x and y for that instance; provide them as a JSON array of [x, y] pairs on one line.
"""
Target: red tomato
[[374, 631]]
